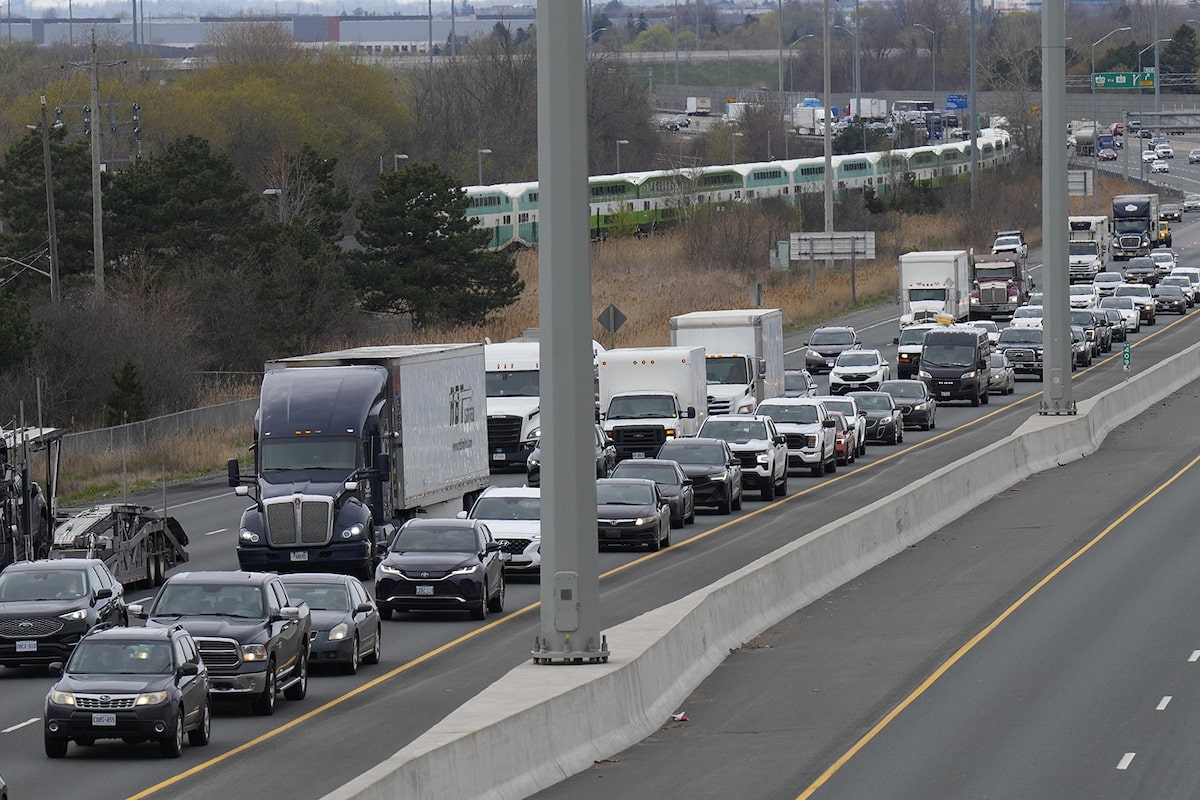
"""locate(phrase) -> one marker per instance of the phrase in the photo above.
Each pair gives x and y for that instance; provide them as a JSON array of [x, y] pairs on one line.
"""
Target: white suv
[[810, 432], [858, 371], [760, 447], [514, 516]]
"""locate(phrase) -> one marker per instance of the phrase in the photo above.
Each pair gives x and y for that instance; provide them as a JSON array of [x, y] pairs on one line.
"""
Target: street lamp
[[933, 56], [1141, 53], [1095, 122], [396, 159], [479, 154], [278, 193], [619, 143], [791, 69], [857, 82], [733, 137]]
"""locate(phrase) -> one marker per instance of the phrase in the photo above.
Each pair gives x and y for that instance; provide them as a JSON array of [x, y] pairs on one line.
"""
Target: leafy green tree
[[422, 255], [18, 334], [657, 38], [1180, 55], [127, 400]]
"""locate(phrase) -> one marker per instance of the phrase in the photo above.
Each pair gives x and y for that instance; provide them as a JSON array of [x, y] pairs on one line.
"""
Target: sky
[[82, 8]]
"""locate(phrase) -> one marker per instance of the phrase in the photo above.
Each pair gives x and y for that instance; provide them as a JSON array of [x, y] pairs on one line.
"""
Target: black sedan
[[345, 620], [1170, 298], [632, 511], [1141, 270], [1172, 212], [715, 471], [441, 564], [1081, 348], [884, 422], [1116, 323], [606, 458], [917, 406], [672, 481]]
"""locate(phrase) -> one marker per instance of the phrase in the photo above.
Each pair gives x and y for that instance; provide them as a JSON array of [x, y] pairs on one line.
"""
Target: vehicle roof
[[127, 634], [221, 576], [899, 381], [654, 462], [869, 394], [626, 481], [50, 563], [511, 491], [837, 328], [752, 417], [440, 522], [791, 401], [314, 577], [692, 440]]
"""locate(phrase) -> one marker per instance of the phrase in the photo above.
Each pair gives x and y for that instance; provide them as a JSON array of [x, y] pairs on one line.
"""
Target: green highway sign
[[1123, 80]]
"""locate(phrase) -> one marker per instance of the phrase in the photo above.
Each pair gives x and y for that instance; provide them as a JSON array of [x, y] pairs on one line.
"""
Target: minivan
[[956, 363]]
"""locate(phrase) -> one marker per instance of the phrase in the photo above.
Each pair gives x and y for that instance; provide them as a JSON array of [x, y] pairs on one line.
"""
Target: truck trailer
[[743, 354], [933, 284], [649, 395], [348, 444], [699, 106]]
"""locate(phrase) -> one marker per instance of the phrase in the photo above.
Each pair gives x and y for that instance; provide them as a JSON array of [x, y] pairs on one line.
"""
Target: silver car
[[1003, 379]]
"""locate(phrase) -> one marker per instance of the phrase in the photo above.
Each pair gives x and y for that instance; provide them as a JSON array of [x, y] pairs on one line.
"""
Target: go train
[[510, 210]]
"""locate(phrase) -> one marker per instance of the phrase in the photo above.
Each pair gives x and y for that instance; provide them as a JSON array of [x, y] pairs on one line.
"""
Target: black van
[[956, 363]]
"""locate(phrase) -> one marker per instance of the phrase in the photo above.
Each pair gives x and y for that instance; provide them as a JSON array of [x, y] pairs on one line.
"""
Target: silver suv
[[758, 445]]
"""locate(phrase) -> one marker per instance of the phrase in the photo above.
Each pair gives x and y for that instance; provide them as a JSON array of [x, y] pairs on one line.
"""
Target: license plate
[[639, 455], [300, 555], [829, 362], [499, 457], [610, 534], [26, 647], [424, 591], [104, 720]]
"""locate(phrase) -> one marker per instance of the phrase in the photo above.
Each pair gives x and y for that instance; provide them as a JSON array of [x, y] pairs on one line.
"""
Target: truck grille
[[309, 524], [749, 460], [219, 654], [26, 627], [717, 405], [503, 431], [994, 295], [645, 439], [1130, 242], [98, 702]]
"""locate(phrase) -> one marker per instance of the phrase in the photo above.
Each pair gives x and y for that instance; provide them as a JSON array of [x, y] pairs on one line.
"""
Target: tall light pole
[[619, 143], [396, 159], [933, 58], [278, 195], [791, 70], [1142, 52], [733, 137], [479, 154], [1095, 122]]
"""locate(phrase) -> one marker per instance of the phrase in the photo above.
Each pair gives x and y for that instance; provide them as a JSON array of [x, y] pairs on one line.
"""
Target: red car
[[843, 439]]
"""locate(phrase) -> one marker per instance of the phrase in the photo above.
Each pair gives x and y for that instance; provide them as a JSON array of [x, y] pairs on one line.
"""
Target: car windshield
[[733, 430], [997, 361], [624, 494], [1082, 248], [58, 584], [1141, 262], [1114, 315], [821, 338], [858, 358], [1028, 312], [1007, 241], [1164, 258], [793, 414], [321, 596], [1117, 303], [434, 539], [659, 473], [209, 600], [795, 382], [838, 404], [1020, 336], [513, 383], [1168, 291], [873, 402], [1175, 280], [986, 325], [912, 336], [1082, 318], [337, 454], [947, 355], [121, 658], [909, 389], [1108, 277], [693, 452], [641, 407], [510, 508], [1136, 290], [1082, 288]]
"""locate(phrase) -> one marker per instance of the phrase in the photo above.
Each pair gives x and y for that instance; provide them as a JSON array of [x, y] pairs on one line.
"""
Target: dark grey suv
[[826, 344]]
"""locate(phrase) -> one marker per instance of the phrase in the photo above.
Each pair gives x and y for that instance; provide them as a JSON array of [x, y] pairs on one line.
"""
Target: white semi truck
[[933, 284], [649, 395], [514, 402], [1087, 246], [743, 353]]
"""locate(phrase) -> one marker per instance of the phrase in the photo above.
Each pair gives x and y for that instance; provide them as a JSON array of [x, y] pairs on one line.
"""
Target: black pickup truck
[[251, 636]]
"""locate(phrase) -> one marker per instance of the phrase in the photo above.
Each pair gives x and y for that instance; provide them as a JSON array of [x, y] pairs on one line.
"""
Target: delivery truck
[[649, 395], [935, 284], [699, 106], [514, 403], [348, 444], [743, 354]]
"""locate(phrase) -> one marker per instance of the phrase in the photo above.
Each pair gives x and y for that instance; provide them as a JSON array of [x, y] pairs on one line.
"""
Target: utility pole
[[51, 223], [97, 204]]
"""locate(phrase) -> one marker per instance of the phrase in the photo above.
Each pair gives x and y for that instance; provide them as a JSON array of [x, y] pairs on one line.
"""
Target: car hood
[[702, 470], [297, 482], [856, 370], [747, 445], [101, 683], [430, 562], [223, 627], [879, 413], [509, 528], [830, 349], [323, 620], [909, 401], [513, 406], [610, 511], [41, 608], [798, 427]]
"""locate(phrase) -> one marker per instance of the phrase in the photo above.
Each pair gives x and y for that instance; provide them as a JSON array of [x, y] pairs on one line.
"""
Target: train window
[[532, 197], [508, 219], [645, 205], [522, 218]]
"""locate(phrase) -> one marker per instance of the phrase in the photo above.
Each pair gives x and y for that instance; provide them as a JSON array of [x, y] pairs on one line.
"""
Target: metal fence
[[236, 414]]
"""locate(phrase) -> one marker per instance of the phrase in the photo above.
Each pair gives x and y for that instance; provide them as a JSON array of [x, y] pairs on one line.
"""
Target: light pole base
[[1058, 411], [542, 654]]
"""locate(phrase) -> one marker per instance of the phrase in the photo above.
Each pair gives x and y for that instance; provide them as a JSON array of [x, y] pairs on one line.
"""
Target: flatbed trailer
[[137, 543]]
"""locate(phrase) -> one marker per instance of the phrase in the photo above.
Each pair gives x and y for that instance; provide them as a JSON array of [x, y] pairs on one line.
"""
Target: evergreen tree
[[127, 400]]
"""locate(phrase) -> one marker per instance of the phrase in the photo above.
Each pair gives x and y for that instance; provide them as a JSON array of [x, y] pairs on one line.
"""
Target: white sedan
[[1158, 165], [1149, 156]]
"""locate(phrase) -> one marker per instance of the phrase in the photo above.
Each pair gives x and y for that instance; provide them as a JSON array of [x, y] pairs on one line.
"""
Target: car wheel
[[726, 505], [818, 469], [900, 435], [691, 515], [55, 748], [200, 736], [496, 604], [666, 540], [377, 650], [264, 704], [985, 399], [767, 492], [172, 744], [974, 400], [480, 609], [298, 690], [737, 502], [831, 467], [680, 522], [351, 666]]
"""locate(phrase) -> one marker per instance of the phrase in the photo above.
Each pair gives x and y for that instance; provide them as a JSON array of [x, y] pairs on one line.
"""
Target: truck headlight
[[254, 652], [339, 632], [966, 376], [61, 698], [923, 375], [536, 433], [353, 531], [763, 458], [746, 408], [249, 536], [150, 698], [74, 616]]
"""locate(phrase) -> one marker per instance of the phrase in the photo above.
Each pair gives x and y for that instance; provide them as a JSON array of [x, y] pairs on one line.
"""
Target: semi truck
[[998, 285], [348, 444], [649, 395], [1134, 225], [514, 403], [743, 354], [1087, 246], [933, 284]]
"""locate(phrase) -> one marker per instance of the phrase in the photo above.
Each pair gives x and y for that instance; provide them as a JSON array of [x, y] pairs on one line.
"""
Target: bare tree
[[252, 42]]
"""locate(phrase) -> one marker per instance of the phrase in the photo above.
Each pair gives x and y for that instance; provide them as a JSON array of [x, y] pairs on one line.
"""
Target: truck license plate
[[639, 454], [26, 647], [300, 555], [498, 457], [104, 720], [424, 591]]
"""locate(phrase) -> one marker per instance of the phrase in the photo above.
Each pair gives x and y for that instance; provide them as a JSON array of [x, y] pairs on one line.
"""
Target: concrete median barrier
[[540, 724]]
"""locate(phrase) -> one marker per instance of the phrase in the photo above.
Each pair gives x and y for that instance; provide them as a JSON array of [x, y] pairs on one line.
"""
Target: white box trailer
[[350, 442], [743, 352], [651, 394], [933, 284]]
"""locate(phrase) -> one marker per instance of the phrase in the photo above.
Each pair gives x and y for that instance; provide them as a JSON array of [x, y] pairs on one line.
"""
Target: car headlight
[[61, 698], [968, 375], [354, 530], [918, 406], [471, 570], [746, 408], [640, 521], [150, 698], [247, 535], [763, 458], [720, 476], [254, 652], [924, 375], [533, 462], [339, 632], [74, 616], [389, 569]]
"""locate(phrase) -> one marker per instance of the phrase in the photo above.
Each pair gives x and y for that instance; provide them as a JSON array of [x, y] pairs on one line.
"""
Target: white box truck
[[699, 106], [869, 109], [808, 120], [743, 354], [352, 442], [514, 402], [933, 284], [1087, 246], [651, 394]]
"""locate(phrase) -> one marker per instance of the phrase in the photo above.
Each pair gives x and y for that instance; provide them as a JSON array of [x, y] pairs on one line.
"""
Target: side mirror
[[687, 482], [364, 608], [104, 594], [56, 668], [733, 462], [351, 486], [829, 422], [242, 490], [461, 515], [136, 610], [234, 472], [189, 668], [491, 547], [895, 340], [780, 439], [290, 613], [691, 412]]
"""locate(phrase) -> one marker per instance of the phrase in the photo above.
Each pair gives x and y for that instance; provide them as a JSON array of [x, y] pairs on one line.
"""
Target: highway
[[432, 663]]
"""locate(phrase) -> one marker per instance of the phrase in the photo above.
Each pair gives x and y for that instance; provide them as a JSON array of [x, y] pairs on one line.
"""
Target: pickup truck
[[252, 637], [810, 432]]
